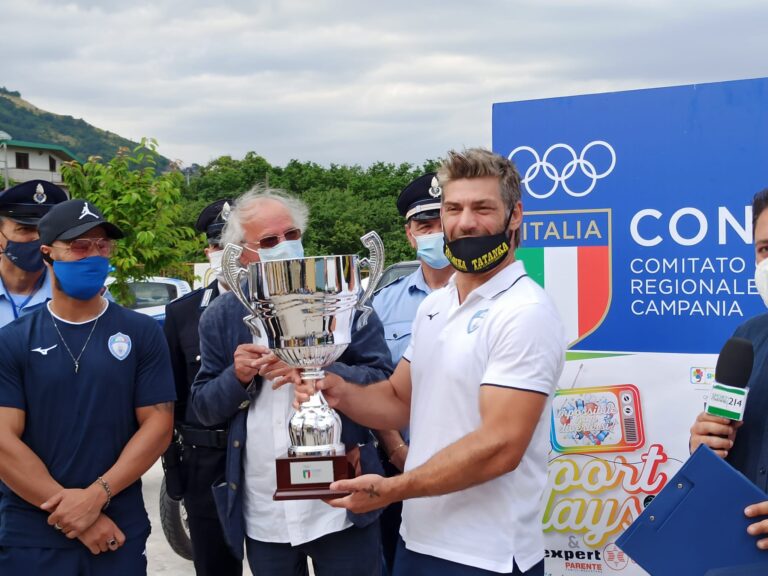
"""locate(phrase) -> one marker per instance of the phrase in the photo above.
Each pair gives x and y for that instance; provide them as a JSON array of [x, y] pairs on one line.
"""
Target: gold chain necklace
[[76, 361]]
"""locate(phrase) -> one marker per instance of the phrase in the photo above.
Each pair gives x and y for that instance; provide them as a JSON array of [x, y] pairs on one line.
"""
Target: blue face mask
[[25, 255], [286, 250], [82, 279], [430, 250]]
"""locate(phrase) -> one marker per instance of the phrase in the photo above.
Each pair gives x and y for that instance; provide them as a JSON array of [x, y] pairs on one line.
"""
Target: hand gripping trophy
[[305, 307]]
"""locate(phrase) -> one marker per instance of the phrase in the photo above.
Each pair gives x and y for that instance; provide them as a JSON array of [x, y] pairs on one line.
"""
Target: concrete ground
[[160, 558]]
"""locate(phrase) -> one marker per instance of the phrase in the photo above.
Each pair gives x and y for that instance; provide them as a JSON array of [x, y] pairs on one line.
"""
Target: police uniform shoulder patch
[[119, 345]]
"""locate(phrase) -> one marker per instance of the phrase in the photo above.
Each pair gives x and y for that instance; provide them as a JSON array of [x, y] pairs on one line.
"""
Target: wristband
[[104, 484], [395, 449]]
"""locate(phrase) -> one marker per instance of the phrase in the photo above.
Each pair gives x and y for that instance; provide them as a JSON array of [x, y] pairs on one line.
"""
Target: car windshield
[[151, 294], [395, 271]]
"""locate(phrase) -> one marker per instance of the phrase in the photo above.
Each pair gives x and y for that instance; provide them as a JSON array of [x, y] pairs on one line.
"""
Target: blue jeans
[[350, 552], [410, 563]]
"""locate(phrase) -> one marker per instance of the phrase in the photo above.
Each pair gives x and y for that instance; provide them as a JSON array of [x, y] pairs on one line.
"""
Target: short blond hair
[[479, 163]]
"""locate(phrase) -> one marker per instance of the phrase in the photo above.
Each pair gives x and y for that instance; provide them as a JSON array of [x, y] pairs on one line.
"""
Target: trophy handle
[[375, 246], [233, 271]]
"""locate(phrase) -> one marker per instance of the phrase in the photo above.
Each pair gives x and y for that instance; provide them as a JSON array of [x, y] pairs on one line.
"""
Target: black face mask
[[478, 254], [25, 255]]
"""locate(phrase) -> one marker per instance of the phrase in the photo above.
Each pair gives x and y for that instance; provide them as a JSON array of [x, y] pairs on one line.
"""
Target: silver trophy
[[304, 308]]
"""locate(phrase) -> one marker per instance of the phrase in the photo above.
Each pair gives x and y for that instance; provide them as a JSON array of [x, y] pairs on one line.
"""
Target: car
[[392, 273], [153, 293], [396, 271]]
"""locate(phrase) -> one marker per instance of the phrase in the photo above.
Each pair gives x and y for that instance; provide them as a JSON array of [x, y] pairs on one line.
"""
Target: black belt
[[202, 437]]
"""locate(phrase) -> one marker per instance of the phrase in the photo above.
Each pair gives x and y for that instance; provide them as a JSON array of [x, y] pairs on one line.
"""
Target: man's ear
[[409, 235], [516, 223], [46, 251]]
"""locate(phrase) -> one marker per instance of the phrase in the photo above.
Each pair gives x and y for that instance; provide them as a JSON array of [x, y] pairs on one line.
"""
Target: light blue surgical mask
[[429, 249], [286, 250]]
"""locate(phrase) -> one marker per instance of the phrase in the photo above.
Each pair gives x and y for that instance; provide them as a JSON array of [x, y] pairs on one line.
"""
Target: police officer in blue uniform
[[396, 305], [24, 283], [203, 449]]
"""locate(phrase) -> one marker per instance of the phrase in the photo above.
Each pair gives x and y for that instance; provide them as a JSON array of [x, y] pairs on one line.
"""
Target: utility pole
[[4, 137]]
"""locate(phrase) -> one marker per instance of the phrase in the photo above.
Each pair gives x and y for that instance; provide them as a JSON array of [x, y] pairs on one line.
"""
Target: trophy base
[[309, 477]]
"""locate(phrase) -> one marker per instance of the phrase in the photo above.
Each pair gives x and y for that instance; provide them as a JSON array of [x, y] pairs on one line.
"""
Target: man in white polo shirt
[[485, 355]]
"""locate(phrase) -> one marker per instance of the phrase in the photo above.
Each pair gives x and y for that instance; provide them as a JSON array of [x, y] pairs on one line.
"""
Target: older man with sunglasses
[[234, 384], [86, 407]]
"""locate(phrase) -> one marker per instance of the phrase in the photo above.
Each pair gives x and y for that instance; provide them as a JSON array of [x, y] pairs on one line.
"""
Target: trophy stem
[[316, 400], [312, 373], [315, 428]]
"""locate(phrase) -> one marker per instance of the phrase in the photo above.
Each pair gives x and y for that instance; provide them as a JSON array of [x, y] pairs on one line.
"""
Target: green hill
[[24, 121]]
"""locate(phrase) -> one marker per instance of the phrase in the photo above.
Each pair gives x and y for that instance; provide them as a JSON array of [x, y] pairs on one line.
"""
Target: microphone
[[728, 397]]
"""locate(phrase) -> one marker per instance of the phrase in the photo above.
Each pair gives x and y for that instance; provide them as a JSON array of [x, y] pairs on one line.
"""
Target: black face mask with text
[[478, 254]]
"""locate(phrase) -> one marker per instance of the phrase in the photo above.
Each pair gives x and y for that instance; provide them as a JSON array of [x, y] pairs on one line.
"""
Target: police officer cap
[[420, 199], [29, 201], [213, 218], [73, 218]]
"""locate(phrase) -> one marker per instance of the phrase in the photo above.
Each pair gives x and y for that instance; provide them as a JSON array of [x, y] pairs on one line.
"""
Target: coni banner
[[637, 222]]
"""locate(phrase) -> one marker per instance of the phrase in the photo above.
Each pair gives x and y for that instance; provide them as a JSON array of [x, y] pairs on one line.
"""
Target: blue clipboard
[[696, 525]]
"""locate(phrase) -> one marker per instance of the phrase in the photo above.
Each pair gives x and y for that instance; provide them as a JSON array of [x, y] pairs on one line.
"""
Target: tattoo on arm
[[164, 407], [372, 493]]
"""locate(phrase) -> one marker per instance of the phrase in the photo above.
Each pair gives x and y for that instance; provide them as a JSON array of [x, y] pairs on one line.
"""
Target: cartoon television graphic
[[600, 419]]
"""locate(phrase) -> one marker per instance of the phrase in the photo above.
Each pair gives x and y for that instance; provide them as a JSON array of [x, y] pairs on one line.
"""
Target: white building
[[32, 160]]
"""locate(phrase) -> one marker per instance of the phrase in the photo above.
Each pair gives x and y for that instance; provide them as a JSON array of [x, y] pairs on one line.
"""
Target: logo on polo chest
[[476, 320], [43, 351], [119, 345]]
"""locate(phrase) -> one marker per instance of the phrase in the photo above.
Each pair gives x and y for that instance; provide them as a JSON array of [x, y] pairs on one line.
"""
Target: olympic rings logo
[[550, 170]]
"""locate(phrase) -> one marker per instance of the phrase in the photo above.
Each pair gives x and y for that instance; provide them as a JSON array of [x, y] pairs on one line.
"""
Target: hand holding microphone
[[716, 426]]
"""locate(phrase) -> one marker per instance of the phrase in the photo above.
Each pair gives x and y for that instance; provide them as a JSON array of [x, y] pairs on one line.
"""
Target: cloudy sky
[[335, 81]]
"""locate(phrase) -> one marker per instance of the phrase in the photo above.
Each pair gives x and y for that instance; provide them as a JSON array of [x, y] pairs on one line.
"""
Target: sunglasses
[[83, 246], [274, 239]]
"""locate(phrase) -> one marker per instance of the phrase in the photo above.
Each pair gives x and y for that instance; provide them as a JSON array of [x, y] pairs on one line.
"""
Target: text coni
[[689, 226], [573, 504]]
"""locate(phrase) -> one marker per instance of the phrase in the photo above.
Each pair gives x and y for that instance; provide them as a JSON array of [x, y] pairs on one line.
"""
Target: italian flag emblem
[[569, 254]]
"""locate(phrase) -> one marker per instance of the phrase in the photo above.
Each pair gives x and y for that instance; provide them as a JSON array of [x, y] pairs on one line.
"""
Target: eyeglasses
[[83, 246], [273, 239]]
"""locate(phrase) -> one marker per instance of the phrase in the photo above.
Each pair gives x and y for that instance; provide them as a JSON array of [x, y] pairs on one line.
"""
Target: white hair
[[233, 229]]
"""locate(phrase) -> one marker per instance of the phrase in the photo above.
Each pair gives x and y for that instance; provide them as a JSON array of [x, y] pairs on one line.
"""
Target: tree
[[226, 176], [147, 208], [345, 202]]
